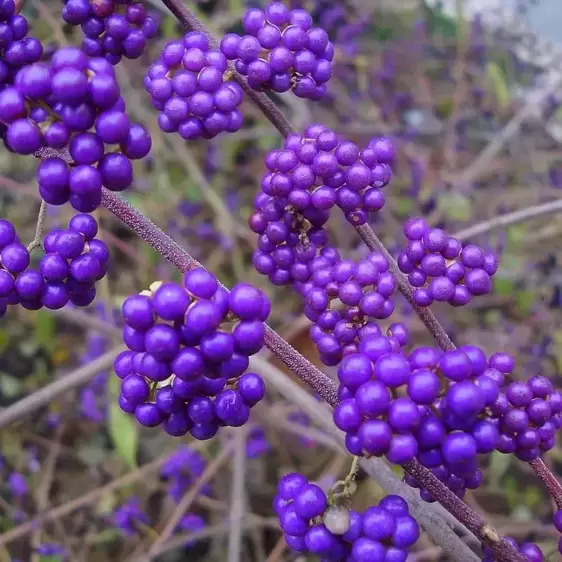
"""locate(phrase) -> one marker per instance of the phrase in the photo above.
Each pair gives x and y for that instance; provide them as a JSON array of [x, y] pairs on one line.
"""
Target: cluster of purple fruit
[[16, 48], [112, 29], [74, 260], [457, 391], [442, 408], [55, 105], [307, 177], [363, 288], [189, 348], [190, 86], [282, 51], [441, 269], [478, 414], [529, 413], [381, 533]]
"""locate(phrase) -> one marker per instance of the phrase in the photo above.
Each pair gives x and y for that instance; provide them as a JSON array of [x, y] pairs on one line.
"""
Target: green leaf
[[525, 300], [456, 206], [532, 496], [45, 330], [503, 287], [440, 23], [404, 206], [4, 340], [497, 77], [383, 33], [516, 235], [11, 387], [123, 429], [499, 465], [193, 192]]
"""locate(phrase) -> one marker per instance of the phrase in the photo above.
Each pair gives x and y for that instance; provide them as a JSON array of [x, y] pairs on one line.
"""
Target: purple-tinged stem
[[308, 373], [429, 320], [177, 256], [502, 550], [550, 481]]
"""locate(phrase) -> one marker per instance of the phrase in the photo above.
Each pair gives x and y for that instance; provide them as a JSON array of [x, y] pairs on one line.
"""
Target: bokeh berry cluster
[[189, 347], [333, 532], [74, 260]]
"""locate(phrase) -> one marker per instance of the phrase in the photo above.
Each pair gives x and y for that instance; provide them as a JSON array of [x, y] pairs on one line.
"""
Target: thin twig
[[185, 503], [312, 376], [49, 392], [89, 321], [38, 238], [268, 108], [42, 496], [253, 522], [480, 163], [508, 219], [237, 507], [550, 481], [278, 550]]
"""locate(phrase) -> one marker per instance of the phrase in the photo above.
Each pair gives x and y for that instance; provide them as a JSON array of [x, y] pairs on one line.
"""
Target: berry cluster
[[55, 105], [441, 269], [16, 48], [282, 51], [190, 87], [380, 534], [374, 420], [74, 260], [438, 407], [112, 29], [307, 177], [458, 389], [189, 348], [529, 413], [364, 288]]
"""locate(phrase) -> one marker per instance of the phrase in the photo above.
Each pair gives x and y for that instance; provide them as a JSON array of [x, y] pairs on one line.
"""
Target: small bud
[[336, 519]]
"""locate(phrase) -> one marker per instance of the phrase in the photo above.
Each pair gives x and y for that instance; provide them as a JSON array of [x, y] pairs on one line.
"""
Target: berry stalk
[[552, 484], [312, 376]]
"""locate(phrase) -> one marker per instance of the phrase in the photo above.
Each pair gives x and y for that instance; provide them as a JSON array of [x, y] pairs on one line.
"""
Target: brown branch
[[507, 219]]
